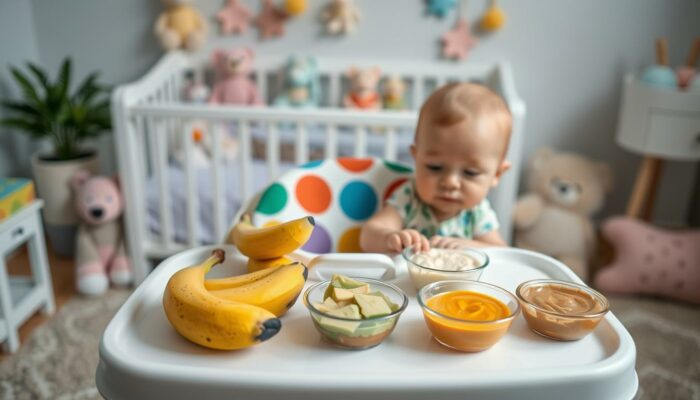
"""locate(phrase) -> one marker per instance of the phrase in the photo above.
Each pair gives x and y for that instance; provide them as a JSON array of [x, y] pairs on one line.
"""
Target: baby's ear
[[502, 169]]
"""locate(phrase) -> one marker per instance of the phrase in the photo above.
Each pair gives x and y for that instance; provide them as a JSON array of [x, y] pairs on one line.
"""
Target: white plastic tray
[[142, 357]]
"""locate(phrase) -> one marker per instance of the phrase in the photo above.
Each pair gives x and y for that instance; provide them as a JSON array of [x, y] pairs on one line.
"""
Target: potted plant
[[49, 110]]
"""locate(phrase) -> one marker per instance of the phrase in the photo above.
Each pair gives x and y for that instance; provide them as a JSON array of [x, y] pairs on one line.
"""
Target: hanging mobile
[[340, 17], [294, 7], [493, 19], [440, 8], [270, 21], [233, 17], [457, 43]]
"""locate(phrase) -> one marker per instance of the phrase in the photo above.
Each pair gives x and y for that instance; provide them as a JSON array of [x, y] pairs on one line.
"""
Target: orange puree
[[483, 320]]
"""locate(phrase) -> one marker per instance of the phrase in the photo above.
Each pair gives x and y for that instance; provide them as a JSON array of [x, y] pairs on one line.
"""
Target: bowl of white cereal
[[445, 264]]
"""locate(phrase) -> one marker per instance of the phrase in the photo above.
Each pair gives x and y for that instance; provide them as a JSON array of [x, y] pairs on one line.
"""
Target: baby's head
[[460, 146]]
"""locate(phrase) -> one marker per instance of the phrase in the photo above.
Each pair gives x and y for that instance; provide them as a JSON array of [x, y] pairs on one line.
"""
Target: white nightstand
[[661, 124], [20, 297]]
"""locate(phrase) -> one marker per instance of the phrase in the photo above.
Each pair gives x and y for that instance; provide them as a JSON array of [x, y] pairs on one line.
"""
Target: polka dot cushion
[[339, 193]]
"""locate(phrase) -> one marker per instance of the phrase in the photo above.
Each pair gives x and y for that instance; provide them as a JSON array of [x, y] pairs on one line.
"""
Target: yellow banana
[[275, 292], [271, 241], [257, 265], [238, 280], [211, 321]]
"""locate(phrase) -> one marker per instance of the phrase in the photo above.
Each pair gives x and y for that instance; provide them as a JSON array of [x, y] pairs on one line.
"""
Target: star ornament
[[440, 8], [233, 18], [457, 42], [270, 21]]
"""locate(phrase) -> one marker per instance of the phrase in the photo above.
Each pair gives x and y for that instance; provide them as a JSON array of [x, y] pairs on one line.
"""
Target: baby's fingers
[[393, 242]]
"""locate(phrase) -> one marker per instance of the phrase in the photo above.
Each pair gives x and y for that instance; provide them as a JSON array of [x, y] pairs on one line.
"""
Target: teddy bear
[[99, 248], [301, 84], [651, 260], [393, 93], [180, 26], [363, 94], [340, 17], [233, 84], [564, 191]]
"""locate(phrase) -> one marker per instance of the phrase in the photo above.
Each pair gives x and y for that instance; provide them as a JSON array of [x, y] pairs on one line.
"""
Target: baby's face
[[457, 165]]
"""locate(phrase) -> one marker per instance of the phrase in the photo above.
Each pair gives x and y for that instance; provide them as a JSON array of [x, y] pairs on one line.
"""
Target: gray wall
[[568, 56]]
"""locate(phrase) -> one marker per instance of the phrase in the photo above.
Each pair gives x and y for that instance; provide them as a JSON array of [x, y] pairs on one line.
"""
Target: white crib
[[144, 112]]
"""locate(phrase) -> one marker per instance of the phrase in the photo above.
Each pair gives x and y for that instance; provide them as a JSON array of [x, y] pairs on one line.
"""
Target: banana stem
[[217, 257]]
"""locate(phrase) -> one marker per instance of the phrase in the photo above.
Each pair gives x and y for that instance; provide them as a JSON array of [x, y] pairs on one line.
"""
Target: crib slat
[[244, 128], [190, 181], [334, 90], [217, 165], [390, 144], [417, 91], [331, 141], [273, 151], [301, 150], [141, 143], [261, 78], [361, 141], [157, 146]]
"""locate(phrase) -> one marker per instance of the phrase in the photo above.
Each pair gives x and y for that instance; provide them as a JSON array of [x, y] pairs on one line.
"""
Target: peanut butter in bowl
[[561, 310]]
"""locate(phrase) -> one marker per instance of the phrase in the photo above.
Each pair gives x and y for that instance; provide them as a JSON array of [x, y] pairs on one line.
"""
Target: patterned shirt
[[468, 224]]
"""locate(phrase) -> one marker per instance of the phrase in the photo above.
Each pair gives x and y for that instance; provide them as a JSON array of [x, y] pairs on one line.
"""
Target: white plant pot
[[53, 185]]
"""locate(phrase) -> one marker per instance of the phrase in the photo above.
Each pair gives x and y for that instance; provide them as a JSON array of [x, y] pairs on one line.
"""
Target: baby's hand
[[398, 241], [443, 242]]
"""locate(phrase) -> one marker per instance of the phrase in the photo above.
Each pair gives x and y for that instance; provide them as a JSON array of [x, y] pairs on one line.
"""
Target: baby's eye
[[470, 173], [434, 167]]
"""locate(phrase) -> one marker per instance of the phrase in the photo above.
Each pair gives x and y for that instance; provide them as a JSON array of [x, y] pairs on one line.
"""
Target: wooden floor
[[63, 285]]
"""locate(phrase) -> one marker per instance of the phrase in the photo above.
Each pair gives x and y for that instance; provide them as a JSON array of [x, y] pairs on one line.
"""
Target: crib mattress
[[141, 356]]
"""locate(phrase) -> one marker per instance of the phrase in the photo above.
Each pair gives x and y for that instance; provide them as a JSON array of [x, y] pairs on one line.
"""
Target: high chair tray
[[142, 357]]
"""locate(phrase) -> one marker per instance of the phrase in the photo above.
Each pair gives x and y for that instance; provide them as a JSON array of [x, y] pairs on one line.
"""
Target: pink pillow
[[651, 260]]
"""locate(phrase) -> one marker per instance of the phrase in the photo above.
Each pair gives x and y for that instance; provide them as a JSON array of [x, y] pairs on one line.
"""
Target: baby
[[459, 149]]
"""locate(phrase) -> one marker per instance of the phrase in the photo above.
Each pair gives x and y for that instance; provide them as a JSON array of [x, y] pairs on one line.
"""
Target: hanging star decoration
[[233, 18], [270, 21], [457, 42], [440, 8]]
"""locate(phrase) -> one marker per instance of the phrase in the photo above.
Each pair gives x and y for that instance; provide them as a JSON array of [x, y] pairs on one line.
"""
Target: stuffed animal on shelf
[[393, 93], [651, 260], [180, 26], [553, 216], [363, 93], [340, 17], [99, 249], [233, 83], [301, 84]]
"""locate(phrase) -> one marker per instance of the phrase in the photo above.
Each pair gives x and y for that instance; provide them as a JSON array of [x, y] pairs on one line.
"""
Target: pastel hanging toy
[[440, 8], [294, 7], [685, 73], [270, 21], [493, 19], [180, 26], [660, 75], [233, 18], [340, 17]]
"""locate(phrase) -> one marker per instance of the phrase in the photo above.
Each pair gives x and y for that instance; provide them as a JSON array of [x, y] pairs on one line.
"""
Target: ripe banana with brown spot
[[212, 321], [276, 292], [271, 241], [238, 280]]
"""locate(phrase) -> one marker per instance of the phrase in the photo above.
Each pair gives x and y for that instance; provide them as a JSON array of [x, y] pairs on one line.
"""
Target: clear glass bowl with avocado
[[355, 313]]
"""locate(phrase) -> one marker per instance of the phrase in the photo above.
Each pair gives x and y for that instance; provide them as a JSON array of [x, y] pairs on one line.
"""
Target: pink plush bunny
[[651, 260], [233, 84], [100, 252]]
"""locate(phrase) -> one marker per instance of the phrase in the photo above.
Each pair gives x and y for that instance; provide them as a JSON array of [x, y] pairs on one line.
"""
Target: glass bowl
[[561, 310], [467, 334], [356, 334], [422, 275]]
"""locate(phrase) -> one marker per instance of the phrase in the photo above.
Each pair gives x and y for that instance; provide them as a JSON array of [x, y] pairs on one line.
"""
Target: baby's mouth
[[448, 199]]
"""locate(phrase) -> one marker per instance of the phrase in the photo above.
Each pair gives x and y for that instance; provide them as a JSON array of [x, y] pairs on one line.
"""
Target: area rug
[[60, 358]]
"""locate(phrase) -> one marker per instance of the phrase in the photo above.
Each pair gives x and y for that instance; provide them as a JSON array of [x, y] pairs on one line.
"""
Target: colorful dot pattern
[[339, 193]]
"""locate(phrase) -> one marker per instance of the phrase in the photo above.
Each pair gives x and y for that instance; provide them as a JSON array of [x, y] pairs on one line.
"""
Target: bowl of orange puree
[[467, 316]]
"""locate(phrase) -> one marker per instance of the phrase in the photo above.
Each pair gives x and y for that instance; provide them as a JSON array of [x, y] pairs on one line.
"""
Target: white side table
[[661, 124], [20, 297]]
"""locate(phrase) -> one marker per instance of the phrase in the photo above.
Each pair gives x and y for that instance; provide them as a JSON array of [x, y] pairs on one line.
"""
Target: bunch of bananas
[[268, 247], [234, 312]]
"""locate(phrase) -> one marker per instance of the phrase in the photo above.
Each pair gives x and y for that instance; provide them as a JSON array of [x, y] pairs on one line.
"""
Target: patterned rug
[[60, 358]]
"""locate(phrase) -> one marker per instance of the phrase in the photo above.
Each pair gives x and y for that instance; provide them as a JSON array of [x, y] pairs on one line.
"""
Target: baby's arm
[[383, 234], [490, 239]]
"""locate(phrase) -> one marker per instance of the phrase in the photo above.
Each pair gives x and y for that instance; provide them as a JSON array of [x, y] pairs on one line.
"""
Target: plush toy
[[340, 17], [195, 90], [363, 92], [301, 84], [99, 249], [553, 216], [180, 26], [200, 133], [393, 93], [651, 260], [233, 84]]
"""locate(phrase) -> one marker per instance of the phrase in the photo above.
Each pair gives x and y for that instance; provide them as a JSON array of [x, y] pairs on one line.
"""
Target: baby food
[[444, 264], [445, 260], [561, 310]]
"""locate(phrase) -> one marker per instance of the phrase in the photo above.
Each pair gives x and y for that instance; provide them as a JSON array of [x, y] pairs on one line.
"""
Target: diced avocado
[[351, 311], [342, 294], [371, 329], [328, 305], [372, 306], [364, 289], [390, 303], [345, 282], [336, 326]]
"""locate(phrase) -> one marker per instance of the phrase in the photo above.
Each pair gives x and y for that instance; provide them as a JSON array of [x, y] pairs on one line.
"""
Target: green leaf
[[26, 85], [28, 110], [40, 75], [63, 83]]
